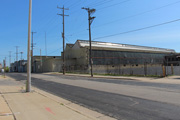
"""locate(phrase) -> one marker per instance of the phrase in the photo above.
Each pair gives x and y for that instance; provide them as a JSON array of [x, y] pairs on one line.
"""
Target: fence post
[[172, 69], [164, 71], [145, 69]]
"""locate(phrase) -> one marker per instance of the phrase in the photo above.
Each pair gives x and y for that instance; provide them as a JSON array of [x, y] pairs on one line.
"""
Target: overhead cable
[[135, 30]]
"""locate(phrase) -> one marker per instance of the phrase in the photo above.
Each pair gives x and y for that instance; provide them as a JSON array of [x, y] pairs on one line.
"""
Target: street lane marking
[[135, 102]]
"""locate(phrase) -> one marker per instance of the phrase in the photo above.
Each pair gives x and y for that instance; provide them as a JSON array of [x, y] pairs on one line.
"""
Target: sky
[[117, 21]]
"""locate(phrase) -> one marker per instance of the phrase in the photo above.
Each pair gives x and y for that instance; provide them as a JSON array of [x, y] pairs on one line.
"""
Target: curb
[[95, 115]]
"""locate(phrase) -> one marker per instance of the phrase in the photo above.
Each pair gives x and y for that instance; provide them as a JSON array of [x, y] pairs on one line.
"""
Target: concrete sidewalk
[[5, 112], [15, 104]]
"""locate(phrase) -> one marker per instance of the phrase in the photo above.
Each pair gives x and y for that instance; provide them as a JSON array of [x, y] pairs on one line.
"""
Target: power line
[[54, 51], [74, 4], [138, 14], [91, 3], [128, 16], [67, 39], [77, 9], [80, 32], [45, 16], [130, 31], [46, 24], [67, 2], [46, 21], [53, 27], [114, 4], [100, 3]]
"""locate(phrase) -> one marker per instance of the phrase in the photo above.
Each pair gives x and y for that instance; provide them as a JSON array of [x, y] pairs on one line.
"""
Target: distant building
[[22, 66], [14, 66], [41, 64], [19, 66], [47, 64], [107, 58]]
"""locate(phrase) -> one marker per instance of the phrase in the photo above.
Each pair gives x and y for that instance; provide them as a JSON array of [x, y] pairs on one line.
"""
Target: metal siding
[[104, 57]]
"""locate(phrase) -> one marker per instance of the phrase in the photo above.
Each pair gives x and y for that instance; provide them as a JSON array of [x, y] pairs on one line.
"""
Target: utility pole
[[32, 47], [17, 52], [41, 60], [17, 57], [45, 45], [28, 83], [21, 62], [90, 19], [4, 61], [63, 35], [21, 55], [10, 61]]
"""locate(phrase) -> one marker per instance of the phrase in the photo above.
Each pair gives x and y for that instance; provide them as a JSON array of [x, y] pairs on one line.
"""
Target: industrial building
[[47, 64], [107, 58], [19, 66], [40, 64], [112, 58]]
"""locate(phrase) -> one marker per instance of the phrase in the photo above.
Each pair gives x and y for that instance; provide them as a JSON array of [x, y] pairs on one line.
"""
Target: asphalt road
[[118, 98]]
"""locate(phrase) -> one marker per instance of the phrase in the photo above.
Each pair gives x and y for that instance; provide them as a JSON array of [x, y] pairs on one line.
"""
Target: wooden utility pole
[[46, 44], [63, 36], [21, 70], [90, 19], [41, 61], [17, 58], [21, 55], [17, 53], [10, 61], [4, 61]]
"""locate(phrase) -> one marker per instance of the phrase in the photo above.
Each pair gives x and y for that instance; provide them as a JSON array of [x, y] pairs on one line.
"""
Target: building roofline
[[123, 46], [70, 45]]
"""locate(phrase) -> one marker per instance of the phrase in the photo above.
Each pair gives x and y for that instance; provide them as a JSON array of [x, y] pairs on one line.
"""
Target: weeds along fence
[[142, 70]]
